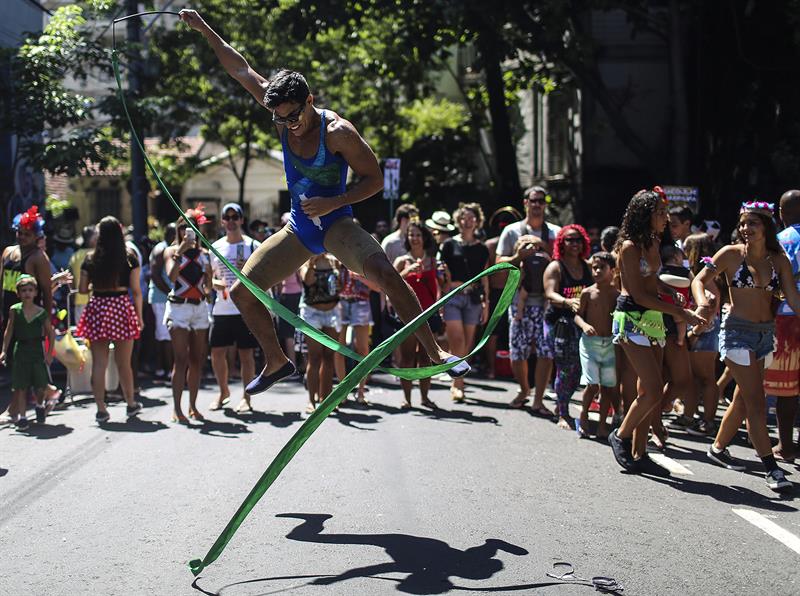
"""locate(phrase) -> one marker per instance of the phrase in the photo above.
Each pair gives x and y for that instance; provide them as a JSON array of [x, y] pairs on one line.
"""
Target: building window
[[107, 202]]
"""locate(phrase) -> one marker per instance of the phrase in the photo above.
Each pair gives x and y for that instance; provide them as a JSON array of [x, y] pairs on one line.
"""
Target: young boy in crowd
[[28, 325], [598, 361], [675, 275]]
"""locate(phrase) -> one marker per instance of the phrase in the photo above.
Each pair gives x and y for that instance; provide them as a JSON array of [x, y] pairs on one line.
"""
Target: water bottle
[[332, 284]]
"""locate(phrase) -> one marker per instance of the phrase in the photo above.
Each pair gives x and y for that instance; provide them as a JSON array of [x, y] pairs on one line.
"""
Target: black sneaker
[[681, 423], [40, 414], [724, 459], [700, 428], [102, 417], [22, 423], [622, 451], [133, 410], [776, 479]]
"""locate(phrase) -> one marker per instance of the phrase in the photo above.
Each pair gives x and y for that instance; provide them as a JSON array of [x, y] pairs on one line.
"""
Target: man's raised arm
[[233, 62]]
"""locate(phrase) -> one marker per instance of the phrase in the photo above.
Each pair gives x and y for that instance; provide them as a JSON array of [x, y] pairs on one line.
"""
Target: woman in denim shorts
[[755, 269], [703, 343], [638, 324], [465, 256], [318, 308], [354, 311]]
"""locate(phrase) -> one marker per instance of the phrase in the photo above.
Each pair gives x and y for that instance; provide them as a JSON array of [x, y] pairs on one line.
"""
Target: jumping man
[[318, 147]]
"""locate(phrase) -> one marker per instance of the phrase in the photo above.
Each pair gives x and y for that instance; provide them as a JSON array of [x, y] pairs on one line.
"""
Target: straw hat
[[441, 222]]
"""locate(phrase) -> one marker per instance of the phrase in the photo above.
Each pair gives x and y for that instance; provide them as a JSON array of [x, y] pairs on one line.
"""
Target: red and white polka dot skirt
[[108, 318]]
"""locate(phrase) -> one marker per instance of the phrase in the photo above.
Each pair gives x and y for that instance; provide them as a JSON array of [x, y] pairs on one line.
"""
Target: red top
[[424, 286]]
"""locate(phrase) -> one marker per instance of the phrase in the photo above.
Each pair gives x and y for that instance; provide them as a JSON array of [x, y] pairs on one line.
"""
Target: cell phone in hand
[[190, 235]]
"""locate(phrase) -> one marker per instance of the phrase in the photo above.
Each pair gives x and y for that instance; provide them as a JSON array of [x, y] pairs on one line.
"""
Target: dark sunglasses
[[289, 118], [574, 240], [537, 201], [234, 217]]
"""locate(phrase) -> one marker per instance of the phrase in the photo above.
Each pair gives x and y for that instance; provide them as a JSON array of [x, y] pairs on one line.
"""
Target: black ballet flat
[[263, 382]]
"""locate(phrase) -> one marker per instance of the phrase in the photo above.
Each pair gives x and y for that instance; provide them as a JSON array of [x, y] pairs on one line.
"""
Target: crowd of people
[[653, 318]]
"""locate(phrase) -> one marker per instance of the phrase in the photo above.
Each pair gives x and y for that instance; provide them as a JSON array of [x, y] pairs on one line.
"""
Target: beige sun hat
[[441, 222]]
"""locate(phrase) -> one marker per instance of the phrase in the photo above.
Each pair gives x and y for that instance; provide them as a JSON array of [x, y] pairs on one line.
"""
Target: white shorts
[[187, 316], [162, 333]]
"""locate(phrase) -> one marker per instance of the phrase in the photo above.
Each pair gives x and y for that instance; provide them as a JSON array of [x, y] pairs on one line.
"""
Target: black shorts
[[227, 330]]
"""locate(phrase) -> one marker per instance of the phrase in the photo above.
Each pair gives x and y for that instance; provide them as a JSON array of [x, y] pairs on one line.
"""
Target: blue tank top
[[790, 241], [323, 175]]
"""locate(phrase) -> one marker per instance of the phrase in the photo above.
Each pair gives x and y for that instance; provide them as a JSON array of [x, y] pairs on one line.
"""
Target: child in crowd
[[676, 276], [598, 361], [528, 280], [28, 325]]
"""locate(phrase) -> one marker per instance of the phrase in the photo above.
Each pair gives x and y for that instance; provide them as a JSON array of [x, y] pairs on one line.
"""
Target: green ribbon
[[365, 364]]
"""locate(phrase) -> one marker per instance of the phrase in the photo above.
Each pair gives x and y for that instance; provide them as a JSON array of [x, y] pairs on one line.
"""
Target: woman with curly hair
[[756, 269], [564, 279], [465, 256], [639, 321], [111, 270]]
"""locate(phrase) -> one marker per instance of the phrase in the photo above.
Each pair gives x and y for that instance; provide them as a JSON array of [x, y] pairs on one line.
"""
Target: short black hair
[[606, 257], [608, 237], [286, 86], [682, 213]]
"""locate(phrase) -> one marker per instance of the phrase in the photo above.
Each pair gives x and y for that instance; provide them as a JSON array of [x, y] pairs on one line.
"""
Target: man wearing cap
[[394, 244], [228, 327], [319, 146], [528, 331]]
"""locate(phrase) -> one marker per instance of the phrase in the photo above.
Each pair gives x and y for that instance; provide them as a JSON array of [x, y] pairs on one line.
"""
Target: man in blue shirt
[[318, 148]]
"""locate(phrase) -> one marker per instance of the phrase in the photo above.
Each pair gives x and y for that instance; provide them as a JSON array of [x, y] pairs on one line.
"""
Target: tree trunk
[[680, 117], [139, 185], [504, 150], [248, 140]]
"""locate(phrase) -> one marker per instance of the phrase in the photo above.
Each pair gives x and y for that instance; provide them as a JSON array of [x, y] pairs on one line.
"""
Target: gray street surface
[[473, 498]]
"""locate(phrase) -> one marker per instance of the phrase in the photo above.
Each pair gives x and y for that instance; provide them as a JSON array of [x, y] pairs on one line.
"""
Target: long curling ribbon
[[364, 366]]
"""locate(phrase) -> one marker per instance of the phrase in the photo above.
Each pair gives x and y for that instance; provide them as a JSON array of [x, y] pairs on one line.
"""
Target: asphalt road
[[473, 498]]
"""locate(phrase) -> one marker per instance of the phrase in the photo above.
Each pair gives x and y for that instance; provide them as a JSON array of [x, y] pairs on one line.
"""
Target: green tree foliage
[[53, 124]]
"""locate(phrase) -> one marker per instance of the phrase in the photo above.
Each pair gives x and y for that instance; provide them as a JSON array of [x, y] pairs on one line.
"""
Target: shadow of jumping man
[[428, 562]]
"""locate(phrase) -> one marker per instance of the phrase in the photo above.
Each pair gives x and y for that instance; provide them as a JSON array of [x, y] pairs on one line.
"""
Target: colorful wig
[[30, 220], [558, 251]]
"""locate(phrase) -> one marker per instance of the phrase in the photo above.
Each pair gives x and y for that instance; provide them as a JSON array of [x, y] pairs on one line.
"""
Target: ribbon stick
[[365, 364]]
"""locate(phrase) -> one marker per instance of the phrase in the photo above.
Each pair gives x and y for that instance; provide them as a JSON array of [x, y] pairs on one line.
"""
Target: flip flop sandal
[[542, 412], [218, 405]]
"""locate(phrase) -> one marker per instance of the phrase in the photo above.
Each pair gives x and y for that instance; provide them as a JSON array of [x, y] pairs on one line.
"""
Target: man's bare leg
[[279, 256]]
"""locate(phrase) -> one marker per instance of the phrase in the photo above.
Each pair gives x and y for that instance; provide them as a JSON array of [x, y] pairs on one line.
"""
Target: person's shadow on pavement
[[428, 562]]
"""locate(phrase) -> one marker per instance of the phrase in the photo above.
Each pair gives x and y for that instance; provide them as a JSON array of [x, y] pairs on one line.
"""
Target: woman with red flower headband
[[756, 270], [187, 314], [638, 324], [564, 279]]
